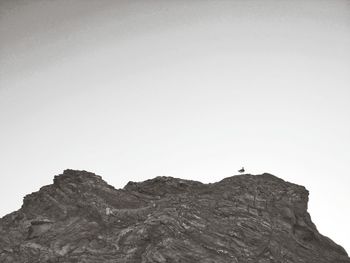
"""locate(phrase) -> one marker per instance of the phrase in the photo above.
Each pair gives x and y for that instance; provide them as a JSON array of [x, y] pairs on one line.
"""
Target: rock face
[[245, 218]]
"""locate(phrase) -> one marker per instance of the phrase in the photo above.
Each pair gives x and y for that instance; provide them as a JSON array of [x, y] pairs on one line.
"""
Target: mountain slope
[[245, 218]]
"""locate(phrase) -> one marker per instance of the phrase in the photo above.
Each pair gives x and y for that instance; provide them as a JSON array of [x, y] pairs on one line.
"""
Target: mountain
[[241, 219]]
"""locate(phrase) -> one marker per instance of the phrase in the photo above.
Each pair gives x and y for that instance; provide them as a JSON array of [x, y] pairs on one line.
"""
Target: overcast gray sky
[[187, 88]]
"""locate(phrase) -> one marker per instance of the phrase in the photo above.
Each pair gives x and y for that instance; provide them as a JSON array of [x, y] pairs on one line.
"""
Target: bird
[[241, 170]]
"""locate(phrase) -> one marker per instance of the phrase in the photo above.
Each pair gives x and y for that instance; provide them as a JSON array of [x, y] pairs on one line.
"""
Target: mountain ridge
[[243, 218]]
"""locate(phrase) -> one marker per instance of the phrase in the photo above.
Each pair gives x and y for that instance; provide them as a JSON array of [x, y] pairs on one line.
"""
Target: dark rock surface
[[245, 218]]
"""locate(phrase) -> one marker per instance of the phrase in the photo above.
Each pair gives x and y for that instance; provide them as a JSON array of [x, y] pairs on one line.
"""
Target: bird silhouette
[[241, 170]]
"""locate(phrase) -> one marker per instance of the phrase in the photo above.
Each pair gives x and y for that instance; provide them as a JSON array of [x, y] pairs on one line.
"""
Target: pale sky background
[[193, 89]]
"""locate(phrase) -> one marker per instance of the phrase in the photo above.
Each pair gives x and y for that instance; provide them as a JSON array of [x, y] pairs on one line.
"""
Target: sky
[[193, 89]]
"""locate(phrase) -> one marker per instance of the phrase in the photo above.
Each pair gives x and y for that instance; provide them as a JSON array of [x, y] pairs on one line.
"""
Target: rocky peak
[[69, 190], [267, 187], [244, 218], [77, 177]]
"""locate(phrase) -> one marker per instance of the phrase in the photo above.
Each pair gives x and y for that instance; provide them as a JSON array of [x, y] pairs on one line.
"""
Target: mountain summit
[[241, 219]]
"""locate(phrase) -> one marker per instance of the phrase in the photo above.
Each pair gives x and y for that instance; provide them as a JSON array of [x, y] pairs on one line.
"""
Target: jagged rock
[[241, 219]]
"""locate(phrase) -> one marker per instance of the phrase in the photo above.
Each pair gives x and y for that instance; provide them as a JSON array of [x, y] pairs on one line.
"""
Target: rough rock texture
[[245, 218]]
